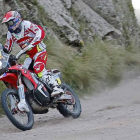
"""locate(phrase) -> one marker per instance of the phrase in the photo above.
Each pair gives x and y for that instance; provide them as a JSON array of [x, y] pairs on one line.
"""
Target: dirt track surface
[[112, 115]]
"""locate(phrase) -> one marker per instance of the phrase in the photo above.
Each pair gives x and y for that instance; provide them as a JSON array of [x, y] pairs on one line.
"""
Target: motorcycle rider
[[29, 37]]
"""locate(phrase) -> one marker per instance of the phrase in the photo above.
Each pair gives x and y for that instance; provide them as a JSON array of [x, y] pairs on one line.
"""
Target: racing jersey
[[30, 34]]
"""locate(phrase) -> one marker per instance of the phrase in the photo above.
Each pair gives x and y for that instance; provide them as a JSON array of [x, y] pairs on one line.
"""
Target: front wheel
[[22, 120], [70, 107]]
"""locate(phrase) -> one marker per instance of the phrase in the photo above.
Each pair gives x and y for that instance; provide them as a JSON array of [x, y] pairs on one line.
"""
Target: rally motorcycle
[[37, 93]]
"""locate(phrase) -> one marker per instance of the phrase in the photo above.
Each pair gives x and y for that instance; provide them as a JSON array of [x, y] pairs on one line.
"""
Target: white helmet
[[13, 20]]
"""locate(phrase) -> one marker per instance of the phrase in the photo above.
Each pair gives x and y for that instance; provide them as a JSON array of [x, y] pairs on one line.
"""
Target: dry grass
[[99, 62]]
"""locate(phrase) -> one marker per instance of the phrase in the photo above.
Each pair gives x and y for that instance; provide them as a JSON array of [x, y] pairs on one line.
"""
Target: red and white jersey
[[30, 34]]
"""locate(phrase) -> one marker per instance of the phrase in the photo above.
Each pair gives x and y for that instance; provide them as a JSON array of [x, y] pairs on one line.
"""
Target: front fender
[[10, 78], [25, 73]]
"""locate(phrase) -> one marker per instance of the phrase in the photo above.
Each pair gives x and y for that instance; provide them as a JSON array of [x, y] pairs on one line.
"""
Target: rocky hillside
[[75, 21]]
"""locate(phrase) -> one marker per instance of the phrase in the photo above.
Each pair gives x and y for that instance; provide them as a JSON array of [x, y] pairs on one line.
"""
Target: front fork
[[12, 100], [20, 93], [21, 89]]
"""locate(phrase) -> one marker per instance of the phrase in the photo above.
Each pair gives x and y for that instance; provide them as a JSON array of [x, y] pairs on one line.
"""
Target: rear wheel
[[70, 107], [21, 119]]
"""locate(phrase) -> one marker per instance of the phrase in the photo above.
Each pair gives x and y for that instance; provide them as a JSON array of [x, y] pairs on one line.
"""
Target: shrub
[[98, 62]]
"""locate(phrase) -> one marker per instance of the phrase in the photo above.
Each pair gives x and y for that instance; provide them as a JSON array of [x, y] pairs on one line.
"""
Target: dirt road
[[112, 115]]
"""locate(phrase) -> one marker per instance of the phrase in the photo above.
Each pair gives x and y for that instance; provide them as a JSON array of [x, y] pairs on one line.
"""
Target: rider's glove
[[5, 50], [12, 60]]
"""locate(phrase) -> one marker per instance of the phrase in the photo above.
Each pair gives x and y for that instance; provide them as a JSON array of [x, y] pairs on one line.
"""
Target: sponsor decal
[[25, 45], [25, 42], [44, 88]]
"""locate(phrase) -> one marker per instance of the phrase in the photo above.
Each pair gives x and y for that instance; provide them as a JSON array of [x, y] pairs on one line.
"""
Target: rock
[[68, 3], [64, 24], [3, 28], [72, 21], [107, 10], [94, 22], [120, 14]]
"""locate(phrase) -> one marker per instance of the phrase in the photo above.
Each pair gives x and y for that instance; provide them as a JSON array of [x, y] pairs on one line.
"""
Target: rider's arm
[[37, 31], [9, 43], [39, 36]]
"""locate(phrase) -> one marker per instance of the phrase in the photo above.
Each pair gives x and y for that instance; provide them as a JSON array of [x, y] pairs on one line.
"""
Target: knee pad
[[38, 68]]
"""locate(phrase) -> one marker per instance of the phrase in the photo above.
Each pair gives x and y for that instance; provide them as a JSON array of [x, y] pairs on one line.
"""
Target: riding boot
[[53, 84]]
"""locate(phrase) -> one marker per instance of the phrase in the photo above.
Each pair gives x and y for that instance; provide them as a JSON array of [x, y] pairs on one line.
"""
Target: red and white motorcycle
[[37, 93]]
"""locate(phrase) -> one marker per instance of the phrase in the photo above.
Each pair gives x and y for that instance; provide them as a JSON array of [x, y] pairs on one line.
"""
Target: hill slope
[[73, 22]]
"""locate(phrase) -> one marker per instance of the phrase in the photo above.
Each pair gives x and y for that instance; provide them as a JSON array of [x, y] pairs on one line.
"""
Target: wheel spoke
[[12, 102], [70, 103]]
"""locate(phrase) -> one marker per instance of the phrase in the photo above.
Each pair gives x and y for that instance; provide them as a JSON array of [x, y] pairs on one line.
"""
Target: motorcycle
[[37, 93]]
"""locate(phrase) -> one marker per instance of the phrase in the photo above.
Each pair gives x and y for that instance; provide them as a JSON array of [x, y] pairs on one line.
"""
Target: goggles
[[9, 23]]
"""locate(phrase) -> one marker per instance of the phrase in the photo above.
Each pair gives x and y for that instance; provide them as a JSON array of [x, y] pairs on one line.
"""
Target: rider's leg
[[27, 62], [39, 69]]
